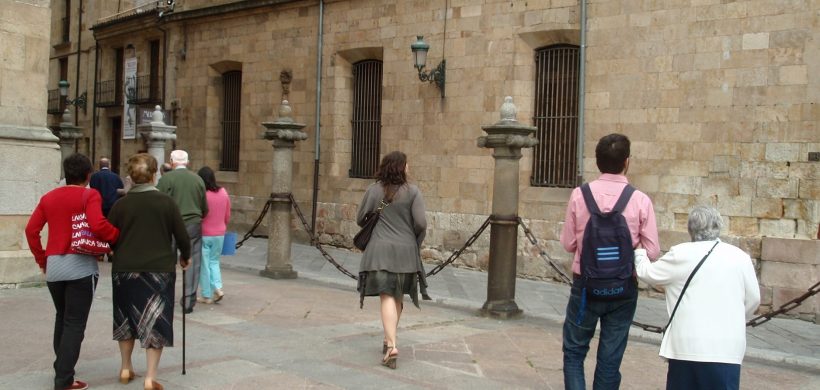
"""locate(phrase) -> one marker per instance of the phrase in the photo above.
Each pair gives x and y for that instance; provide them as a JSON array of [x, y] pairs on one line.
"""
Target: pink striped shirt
[[639, 214], [219, 213]]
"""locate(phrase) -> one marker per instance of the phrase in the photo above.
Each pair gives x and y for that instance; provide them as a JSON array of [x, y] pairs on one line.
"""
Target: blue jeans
[[210, 277], [579, 328]]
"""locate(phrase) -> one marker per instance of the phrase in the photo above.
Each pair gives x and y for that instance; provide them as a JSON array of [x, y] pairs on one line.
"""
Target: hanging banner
[[129, 114]]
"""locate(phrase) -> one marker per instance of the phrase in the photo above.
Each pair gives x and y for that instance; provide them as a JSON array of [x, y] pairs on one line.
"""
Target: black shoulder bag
[[361, 238], [686, 285]]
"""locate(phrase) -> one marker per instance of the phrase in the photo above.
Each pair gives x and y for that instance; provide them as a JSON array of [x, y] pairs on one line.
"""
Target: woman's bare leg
[[126, 348], [390, 321], [152, 356]]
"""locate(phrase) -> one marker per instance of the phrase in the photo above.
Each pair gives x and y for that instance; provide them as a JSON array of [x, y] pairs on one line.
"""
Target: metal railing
[[55, 101], [231, 129], [65, 29], [107, 95], [556, 117], [366, 123], [145, 90]]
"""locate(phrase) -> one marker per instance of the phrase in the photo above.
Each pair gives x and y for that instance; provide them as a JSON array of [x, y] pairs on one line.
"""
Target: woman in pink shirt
[[213, 237]]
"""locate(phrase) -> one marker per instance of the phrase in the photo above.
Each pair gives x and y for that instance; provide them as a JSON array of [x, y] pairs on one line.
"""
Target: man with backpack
[[605, 220]]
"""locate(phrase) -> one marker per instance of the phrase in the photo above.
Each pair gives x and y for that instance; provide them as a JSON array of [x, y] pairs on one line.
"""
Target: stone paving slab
[[781, 341], [304, 334]]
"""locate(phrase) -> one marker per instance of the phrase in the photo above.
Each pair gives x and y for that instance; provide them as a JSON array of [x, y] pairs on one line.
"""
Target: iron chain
[[763, 318], [315, 242], [527, 232], [759, 320], [458, 253]]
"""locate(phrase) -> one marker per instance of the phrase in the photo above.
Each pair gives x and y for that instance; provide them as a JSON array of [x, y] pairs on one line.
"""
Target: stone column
[[506, 138], [29, 152], [283, 134], [155, 135], [68, 135]]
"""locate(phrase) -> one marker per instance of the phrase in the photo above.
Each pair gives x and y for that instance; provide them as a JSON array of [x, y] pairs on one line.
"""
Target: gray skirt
[[375, 283]]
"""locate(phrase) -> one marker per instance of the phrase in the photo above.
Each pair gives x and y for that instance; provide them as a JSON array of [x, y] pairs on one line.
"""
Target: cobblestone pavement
[[308, 333]]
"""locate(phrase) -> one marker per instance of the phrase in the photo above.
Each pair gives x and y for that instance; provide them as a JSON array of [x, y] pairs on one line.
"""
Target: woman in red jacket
[[71, 277]]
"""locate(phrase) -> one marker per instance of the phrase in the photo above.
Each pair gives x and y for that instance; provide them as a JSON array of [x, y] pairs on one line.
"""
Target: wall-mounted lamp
[[79, 101], [436, 75]]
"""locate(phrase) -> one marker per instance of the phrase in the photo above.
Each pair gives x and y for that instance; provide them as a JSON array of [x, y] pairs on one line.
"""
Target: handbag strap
[[686, 285]]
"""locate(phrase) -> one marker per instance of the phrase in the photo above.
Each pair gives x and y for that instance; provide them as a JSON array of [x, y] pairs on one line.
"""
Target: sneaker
[[219, 294], [204, 300], [77, 385]]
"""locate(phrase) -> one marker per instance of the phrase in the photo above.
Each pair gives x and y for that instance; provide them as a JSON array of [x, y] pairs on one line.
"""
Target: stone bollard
[[68, 135], [155, 134], [283, 133], [506, 138]]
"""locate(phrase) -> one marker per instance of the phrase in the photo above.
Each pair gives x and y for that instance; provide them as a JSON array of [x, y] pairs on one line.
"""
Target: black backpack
[[607, 255]]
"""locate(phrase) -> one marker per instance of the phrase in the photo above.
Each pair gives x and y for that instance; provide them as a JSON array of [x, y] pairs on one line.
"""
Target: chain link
[[256, 224], [315, 242], [759, 320], [458, 253], [528, 233], [763, 318]]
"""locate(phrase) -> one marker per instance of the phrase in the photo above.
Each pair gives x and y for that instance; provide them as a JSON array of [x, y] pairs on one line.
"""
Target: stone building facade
[[719, 99]]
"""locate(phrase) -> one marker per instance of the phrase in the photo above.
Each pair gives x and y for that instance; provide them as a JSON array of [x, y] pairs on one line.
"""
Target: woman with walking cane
[[143, 272]]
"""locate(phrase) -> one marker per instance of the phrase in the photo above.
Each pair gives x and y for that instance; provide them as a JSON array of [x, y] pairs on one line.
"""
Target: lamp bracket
[[436, 75], [80, 101]]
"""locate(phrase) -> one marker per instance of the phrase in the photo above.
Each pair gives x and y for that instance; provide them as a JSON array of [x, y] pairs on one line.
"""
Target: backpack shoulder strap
[[589, 200], [623, 199]]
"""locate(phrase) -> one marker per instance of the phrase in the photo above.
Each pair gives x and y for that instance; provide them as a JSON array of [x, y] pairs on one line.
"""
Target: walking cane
[[183, 320]]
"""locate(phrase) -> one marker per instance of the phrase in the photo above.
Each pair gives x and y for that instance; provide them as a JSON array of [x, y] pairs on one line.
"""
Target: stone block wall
[[719, 99], [787, 268]]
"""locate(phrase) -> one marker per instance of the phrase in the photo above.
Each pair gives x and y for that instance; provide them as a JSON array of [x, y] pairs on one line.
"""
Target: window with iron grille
[[367, 118], [554, 160], [231, 103], [66, 22], [153, 89]]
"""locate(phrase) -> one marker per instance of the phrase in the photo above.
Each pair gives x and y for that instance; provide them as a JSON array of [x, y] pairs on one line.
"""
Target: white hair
[[179, 157], [704, 223]]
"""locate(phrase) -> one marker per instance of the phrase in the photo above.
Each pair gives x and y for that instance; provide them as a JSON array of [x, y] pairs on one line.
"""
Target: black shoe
[[188, 310]]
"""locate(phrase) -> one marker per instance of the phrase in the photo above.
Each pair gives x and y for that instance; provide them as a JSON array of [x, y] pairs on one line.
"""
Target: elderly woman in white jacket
[[706, 339]]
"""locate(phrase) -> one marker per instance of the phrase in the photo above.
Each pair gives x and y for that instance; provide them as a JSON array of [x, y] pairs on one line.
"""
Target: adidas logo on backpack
[[607, 255]]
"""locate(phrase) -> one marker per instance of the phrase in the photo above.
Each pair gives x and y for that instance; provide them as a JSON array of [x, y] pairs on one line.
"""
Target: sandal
[[154, 386], [126, 376], [384, 347], [390, 358]]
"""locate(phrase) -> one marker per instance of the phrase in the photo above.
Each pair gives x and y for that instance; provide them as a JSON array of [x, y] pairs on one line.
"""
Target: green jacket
[[148, 220], [188, 190]]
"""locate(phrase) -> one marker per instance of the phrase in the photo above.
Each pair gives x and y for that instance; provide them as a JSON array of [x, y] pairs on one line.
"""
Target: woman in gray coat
[[391, 264]]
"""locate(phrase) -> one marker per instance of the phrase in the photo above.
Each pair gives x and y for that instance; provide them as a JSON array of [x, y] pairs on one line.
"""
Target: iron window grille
[[54, 100], [231, 100], [556, 117], [366, 123]]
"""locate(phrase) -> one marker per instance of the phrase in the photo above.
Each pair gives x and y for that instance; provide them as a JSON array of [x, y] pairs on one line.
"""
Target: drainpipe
[[94, 107], [581, 94], [318, 116], [79, 46]]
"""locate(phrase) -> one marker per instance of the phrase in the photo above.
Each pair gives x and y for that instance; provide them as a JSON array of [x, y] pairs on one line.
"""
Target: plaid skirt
[[144, 307]]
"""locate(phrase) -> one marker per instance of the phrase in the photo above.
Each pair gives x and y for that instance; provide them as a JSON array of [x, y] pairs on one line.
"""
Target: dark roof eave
[[222, 9], [124, 19]]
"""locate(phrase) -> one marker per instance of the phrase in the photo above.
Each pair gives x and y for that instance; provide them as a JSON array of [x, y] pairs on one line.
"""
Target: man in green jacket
[[188, 191]]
